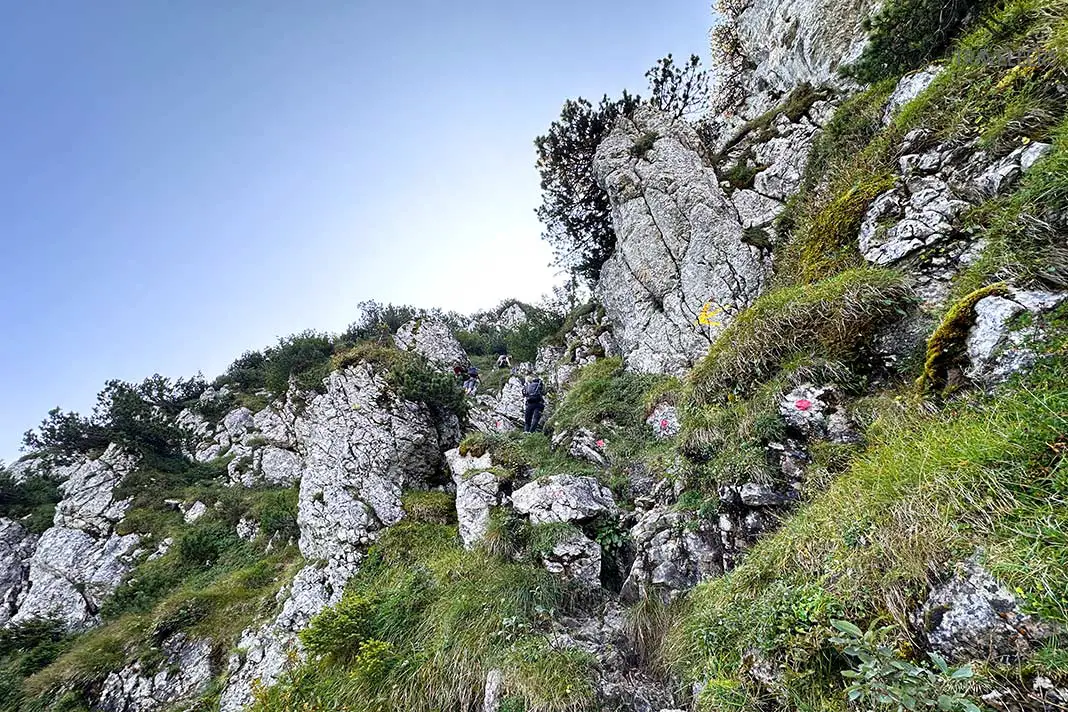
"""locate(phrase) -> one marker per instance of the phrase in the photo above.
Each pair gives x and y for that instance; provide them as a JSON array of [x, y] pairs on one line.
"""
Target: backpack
[[534, 390]]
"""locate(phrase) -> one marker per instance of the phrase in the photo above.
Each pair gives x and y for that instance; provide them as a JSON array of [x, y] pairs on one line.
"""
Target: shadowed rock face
[[679, 246]]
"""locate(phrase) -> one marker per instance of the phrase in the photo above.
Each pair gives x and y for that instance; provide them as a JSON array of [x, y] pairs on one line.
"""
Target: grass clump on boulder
[[834, 318]]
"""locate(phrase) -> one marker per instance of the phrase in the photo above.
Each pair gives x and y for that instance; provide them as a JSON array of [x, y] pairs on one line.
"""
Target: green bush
[[276, 511], [32, 502], [305, 356], [416, 380], [906, 34], [338, 631]]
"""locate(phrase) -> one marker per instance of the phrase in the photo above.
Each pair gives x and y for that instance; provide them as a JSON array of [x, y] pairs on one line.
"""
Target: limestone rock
[[974, 616], [476, 495], [183, 676], [995, 349], [910, 87], [576, 559], [785, 156], [679, 245], [88, 501], [434, 340], [72, 573], [789, 42], [363, 445], [563, 498], [582, 444], [17, 545], [672, 557], [195, 511], [279, 467], [1004, 174], [917, 213], [817, 412]]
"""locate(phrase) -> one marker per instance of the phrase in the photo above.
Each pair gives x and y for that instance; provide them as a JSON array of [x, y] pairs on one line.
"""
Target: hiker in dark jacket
[[471, 384], [534, 393]]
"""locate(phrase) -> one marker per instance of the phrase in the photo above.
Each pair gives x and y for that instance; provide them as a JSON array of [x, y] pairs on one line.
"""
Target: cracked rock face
[[88, 503], [72, 573], [575, 559], [363, 445], [679, 246], [974, 616], [434, 340], [80, 561], [790, 42], [672, 557], [17, 545], [910, 87], [184, 674], [563, 498]]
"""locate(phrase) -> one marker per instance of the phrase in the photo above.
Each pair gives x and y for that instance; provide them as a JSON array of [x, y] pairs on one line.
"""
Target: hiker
[[534, 393], [471, 384], [458, 372], [504, 361]]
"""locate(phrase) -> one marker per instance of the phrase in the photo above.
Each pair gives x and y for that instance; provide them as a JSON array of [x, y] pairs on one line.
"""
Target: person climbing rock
[[458, 372], [471, 384], [504, 361], [534, 393]]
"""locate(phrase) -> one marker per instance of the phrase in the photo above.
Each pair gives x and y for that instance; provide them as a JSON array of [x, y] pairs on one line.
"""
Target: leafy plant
[[882, 677]]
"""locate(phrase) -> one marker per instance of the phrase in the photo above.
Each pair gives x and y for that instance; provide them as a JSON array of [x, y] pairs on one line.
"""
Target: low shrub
[[906, 34], [304, 356], [31, 502]]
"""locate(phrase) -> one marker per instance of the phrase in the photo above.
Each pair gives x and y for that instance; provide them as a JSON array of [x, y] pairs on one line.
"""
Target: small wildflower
[[600, 444], [803, 404]]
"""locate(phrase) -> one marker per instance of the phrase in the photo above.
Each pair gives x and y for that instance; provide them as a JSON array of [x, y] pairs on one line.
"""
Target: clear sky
[[182, 181]]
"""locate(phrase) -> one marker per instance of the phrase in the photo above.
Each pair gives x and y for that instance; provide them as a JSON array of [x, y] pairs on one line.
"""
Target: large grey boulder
[[17, 545], [184, 674], [672, 556], [71, 574], [478, 491], [996, 349], [563, 498], [974, 616], [433, 339], [679, 245]]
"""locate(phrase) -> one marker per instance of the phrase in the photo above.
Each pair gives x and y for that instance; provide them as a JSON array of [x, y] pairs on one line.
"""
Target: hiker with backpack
[[534, 393], [471, 384], [504, 361]]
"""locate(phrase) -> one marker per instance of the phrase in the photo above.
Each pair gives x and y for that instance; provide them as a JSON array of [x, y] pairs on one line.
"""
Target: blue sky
[[182, 181]]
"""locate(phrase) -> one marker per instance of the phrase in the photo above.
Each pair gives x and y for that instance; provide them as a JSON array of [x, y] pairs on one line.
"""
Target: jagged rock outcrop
[[362, 446], [679, 245], [917, 222], [17, 545], [80, 561], [673, 555], [185, 673], [563, 498], [433, 339]]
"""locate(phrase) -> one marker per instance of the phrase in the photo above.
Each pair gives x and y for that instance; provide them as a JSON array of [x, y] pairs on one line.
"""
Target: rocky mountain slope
[[804, 450]]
